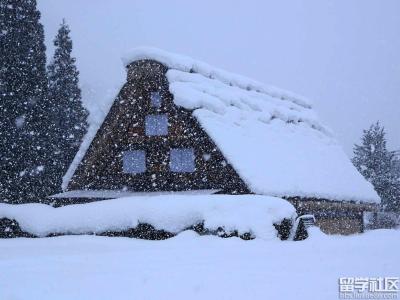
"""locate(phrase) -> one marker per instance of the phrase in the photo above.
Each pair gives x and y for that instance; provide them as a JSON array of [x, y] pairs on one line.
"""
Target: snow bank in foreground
[[172, 213], [191, 267]]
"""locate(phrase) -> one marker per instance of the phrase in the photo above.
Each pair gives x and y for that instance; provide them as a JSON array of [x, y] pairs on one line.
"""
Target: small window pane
[[155, 99], [134, 162], [156, 125], [182, 160]]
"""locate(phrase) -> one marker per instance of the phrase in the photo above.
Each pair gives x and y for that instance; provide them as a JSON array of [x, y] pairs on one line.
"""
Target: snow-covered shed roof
[[271, 137]]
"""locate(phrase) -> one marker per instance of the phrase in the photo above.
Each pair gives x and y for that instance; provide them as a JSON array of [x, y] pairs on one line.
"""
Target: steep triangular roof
[[271, 137]]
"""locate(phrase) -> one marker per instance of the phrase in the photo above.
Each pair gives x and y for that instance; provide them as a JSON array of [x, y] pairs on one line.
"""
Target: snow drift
[[172, 213]]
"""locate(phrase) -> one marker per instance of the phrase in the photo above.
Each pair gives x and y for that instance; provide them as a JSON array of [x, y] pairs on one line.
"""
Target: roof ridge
[[188, 64]]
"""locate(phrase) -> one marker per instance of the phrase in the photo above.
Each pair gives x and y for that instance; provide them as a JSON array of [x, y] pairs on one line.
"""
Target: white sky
[[342, 54]]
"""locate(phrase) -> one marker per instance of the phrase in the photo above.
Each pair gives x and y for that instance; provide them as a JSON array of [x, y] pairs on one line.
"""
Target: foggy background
[[341, 54]]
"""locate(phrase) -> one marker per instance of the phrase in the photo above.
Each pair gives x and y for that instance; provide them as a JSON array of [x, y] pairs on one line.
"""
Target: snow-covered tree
[[68, 115], [377, 164], [397, 164], [22, 89]]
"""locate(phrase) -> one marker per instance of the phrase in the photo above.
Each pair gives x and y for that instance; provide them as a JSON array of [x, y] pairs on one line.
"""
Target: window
[[155, 99], [156, 125], [182, 160], [134, 162]]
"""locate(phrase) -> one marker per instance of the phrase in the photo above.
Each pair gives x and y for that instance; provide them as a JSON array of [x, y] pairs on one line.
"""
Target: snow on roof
[[271, 137], [173, 213], [187, 64], [109, 194]]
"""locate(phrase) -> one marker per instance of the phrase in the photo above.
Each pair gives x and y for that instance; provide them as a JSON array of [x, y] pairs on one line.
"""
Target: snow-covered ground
[[191, 267]]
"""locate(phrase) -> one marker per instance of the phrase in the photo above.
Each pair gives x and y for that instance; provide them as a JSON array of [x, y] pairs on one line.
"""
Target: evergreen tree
[[22, 92], [397, 164], [377, 164], [69, 117]]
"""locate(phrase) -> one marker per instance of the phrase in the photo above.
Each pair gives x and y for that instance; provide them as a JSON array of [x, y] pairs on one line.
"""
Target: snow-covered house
[[181, 125]]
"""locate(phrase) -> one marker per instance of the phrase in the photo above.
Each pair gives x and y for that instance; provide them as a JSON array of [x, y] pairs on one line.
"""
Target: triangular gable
[[167, 156]]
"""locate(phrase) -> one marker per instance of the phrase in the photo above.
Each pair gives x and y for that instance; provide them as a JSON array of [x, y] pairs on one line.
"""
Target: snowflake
[[20, 121]]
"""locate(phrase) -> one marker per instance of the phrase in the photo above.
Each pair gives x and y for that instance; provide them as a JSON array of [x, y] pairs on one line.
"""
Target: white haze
[[342, 54]]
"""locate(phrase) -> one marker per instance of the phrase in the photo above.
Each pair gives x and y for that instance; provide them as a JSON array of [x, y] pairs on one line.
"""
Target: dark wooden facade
[[334, 217], [124, 130]]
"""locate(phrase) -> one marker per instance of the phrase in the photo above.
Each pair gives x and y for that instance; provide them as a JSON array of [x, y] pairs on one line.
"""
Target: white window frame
[[134, 162], [177, 156], [156, 99], [156, 125]]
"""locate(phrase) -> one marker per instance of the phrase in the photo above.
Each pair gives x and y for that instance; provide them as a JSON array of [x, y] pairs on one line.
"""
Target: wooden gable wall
[[124, 130]]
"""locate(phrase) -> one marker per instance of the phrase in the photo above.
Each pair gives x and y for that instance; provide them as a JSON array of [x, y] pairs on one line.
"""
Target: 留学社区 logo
[[368, 287]]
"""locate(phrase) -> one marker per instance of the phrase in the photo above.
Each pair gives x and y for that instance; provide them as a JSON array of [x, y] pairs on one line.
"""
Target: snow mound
[[172, 213]]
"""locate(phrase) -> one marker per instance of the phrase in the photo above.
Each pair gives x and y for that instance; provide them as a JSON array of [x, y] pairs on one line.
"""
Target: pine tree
[[397, 164], [68, 115], [22, 89], [377, 164]]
